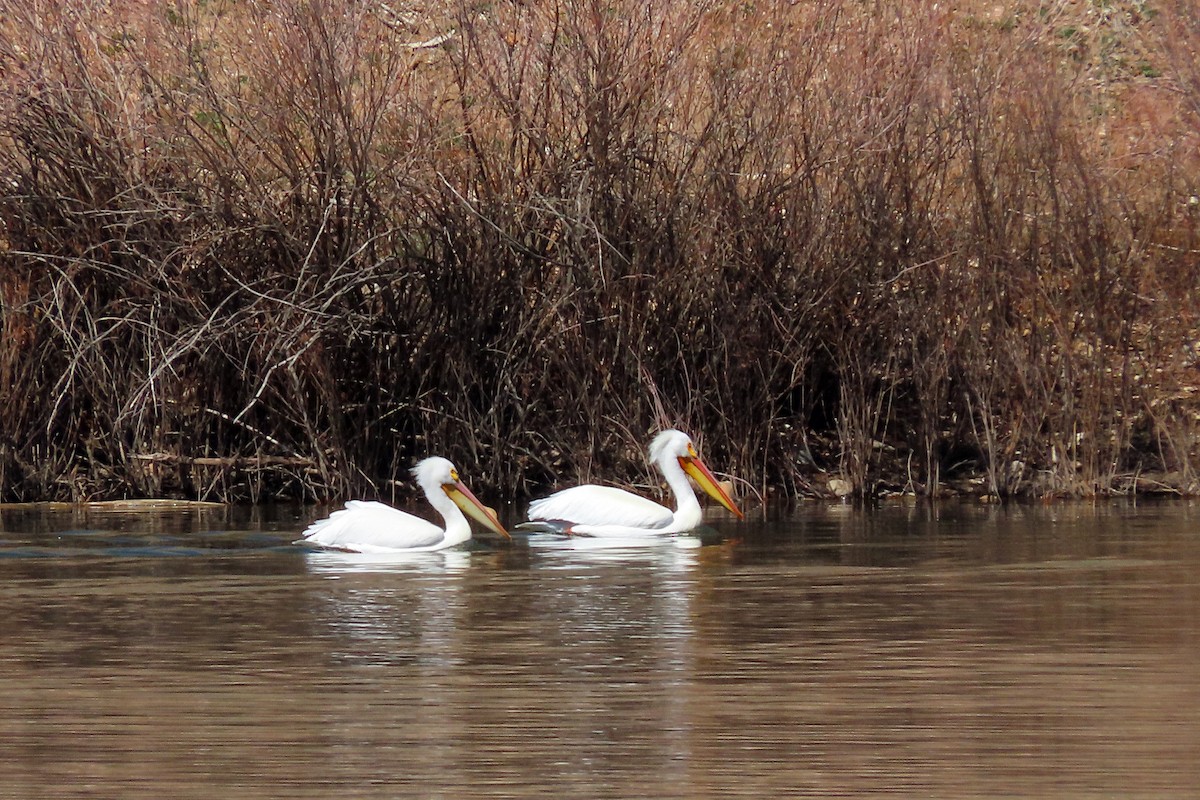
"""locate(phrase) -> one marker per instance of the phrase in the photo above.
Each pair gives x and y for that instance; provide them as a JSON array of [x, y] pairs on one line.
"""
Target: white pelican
[[607, 511], [369, 527]]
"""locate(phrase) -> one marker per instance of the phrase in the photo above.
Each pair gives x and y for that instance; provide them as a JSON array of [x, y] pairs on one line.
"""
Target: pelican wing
[[601, 505], [364, 526]]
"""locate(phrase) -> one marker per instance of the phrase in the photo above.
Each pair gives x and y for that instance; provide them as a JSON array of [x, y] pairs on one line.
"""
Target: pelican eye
[[692, 451], [454, 475]]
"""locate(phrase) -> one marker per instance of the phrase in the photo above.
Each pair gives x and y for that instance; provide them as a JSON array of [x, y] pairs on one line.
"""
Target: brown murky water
[[967, 652]]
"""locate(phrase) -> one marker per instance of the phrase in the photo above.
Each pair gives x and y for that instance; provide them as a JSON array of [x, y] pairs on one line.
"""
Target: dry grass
[[262, 249]]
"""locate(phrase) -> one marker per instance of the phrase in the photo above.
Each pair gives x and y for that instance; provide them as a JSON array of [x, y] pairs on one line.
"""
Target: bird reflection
[[338, 561], [396, 608], [463, 652], [613, 545]]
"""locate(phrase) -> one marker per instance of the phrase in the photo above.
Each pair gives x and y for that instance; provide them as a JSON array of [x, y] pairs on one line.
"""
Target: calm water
[[964, 652]]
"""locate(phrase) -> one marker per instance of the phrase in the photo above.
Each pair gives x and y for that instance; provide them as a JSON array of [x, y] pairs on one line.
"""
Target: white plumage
[[591, 510], [368, 527], [589, 504]]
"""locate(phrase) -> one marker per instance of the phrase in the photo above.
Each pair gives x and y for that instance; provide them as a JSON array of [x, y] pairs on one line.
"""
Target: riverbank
[[257, 251]]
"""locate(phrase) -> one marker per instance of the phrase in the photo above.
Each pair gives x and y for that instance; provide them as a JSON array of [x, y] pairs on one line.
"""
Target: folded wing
[[365, 526], [600, 505]]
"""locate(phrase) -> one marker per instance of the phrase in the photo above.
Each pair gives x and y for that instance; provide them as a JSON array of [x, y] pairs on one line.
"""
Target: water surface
[[957, 652]]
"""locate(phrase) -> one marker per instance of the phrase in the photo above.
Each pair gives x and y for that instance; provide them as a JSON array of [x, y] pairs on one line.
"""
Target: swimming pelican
[[607, 511], [369, 527]]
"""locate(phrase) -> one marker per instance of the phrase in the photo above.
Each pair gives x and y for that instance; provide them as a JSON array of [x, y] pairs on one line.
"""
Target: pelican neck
[[458, 530], [687, 507]]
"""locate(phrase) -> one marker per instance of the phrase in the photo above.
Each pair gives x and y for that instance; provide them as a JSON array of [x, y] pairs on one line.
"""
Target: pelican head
[[676, 445], [437, 475]]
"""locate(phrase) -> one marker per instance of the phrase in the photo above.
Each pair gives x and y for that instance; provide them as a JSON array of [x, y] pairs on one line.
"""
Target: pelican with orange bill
[[592, 510], [370, 527]]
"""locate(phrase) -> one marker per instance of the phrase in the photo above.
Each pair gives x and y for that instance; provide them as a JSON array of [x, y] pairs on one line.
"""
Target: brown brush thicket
[[263, 249]]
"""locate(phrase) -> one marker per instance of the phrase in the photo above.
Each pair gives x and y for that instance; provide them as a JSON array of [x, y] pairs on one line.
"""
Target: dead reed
[[267, 249]]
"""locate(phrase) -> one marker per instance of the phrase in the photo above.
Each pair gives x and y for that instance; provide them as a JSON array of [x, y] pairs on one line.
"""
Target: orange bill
[[462, 497], [704, 479]]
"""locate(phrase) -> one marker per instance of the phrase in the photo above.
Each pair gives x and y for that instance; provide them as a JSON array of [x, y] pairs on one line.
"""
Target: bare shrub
[[267, 249]]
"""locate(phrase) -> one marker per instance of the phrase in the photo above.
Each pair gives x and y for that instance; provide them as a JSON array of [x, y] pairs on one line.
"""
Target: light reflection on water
[[963, 652]]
